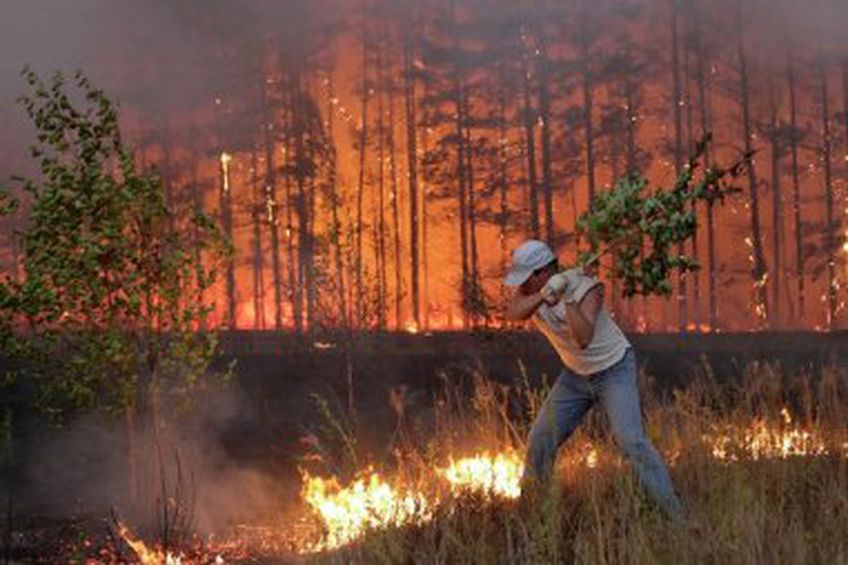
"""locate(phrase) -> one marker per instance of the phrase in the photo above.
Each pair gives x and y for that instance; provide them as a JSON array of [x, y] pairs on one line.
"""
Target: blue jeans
[[617, 390]]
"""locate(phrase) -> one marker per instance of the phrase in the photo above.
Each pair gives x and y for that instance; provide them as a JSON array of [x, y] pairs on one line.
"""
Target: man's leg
[[566, 404], [619, 394]]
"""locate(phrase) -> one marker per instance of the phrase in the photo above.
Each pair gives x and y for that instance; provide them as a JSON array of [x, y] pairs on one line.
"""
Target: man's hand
[[554, 288], [559, 284]]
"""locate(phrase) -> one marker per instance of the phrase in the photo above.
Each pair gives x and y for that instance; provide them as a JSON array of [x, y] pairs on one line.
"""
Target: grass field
[[761, 462]]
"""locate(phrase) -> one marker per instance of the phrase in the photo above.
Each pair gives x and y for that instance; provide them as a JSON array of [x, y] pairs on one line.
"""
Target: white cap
[[531, 255]]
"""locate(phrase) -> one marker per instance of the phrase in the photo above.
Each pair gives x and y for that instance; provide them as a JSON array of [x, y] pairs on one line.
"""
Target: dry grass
[[771, 510]]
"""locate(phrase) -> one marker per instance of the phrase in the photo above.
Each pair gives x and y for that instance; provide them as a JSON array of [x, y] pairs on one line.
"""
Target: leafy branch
[[640, 228]]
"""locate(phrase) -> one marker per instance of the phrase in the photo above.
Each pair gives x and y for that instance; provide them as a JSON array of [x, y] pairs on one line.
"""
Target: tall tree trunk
[[705, 114], [395, 197], [690, 147], [199, 273], [759, 270], [256, 205], [293, 260], [474, 266], [425, 227], [530, 142], [845, 134], [614, 146], [168, 177], [461, 164], [271, 208], [777, 207], [379, 211], [631, 156], [412, 172], [226, 203], [334, 197], [503, 169], [545, 122], [678, 151], [830, 240], [359, 300], [631, 115], [845, 104], [305, 290], [588, 103], [461, 175], [796, 186]]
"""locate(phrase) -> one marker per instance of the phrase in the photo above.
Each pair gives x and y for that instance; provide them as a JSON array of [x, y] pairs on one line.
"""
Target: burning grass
[[762, 462]]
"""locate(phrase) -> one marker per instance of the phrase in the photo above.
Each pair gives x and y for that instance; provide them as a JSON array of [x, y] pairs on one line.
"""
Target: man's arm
[[522, 306], [583, 315]]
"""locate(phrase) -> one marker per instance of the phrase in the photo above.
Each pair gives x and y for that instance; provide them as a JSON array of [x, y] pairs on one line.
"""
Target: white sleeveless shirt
[[608, 345]]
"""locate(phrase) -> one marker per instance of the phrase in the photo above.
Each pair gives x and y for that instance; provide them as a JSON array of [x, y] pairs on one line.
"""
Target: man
[[600, 366]]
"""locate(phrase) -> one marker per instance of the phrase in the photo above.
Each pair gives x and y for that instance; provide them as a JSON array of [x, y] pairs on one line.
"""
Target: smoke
[[203, 463], [167, 62]]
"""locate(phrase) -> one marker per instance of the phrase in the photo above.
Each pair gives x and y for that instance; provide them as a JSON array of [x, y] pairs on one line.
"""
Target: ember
[[149, 556]]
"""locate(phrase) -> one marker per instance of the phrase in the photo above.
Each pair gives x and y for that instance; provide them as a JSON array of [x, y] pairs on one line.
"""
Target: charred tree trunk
[[412, 172], [530, 151], [258, 254], [777, 207], [796, 186], [474, 266], [379, 211], [359, 298], [303, 207], [845, 106], [759, 270], [503, 170], [394, 196], [705, 114], [425, 226], [168, 177], [631, 117], [226, 203], [293, 260], [631, 161], [830, 239], [845, 133], [690, 147], [461, 175], [197, 202], [334, 198], [271, 208], [678, 150], [588, 104], [545, 122], [461, 165]]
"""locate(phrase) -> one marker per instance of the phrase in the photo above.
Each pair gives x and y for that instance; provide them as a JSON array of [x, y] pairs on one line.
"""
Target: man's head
[[533, 263]]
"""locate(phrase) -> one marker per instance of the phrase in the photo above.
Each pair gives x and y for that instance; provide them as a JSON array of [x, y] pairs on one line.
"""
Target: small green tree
[[640, 230], [107, 315]]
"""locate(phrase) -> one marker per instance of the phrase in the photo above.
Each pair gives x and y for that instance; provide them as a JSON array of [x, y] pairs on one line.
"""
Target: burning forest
[[423, 281]]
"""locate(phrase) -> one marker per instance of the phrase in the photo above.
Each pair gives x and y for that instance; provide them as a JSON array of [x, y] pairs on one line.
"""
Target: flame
[[225, 170], [592, 458], [493, 475], [368, 503], [344, 514], [763, 440], [147, 556], [371, 502]]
